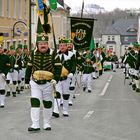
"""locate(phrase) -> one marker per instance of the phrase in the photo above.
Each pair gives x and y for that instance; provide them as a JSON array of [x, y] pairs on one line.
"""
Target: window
[[113, 38], [1, 7], [15, 9], [125, 38], [108, 37], [8, 8]]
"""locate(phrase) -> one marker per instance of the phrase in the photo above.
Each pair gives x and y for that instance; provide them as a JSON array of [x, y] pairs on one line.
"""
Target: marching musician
[[78, 61], [43, 71], [87, 70], [68, 69], [19, 53], [12, 76], [4, 68]]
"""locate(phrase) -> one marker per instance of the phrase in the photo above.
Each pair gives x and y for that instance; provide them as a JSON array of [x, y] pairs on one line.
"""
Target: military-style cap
[[19, 46], [25, 47], [87, 49], [43, 27], [136, 45], [63, 40], [12, 47], [70, 40], [41, 34]]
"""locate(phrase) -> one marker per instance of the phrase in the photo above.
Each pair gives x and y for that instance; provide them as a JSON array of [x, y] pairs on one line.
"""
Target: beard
[[43, 49]]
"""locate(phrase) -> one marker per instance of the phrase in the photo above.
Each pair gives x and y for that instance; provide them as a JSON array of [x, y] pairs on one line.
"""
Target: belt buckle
[[42, 82]]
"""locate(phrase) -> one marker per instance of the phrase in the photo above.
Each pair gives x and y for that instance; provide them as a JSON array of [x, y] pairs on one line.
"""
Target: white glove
[[26, 86], [70, 75], [3, 76], [53, 82], [15, 66]]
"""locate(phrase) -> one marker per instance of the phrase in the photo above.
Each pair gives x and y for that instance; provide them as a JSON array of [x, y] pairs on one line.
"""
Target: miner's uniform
[[87, 71], [62, 87], [73, 80], [40, 72], [12, 76], [4, 68]]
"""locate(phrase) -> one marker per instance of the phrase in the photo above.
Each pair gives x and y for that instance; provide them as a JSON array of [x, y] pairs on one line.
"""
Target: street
[[109, 112]]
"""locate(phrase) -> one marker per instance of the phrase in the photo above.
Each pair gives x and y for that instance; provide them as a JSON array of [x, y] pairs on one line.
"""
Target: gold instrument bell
[[64, 72], [42, 75]]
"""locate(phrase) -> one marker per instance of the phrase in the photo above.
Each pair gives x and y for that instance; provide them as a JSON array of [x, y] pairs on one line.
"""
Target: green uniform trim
[[47, 104], [35, 102], [66, 96]]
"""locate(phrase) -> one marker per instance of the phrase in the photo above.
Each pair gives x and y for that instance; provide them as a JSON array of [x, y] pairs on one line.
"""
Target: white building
[[121, 35]]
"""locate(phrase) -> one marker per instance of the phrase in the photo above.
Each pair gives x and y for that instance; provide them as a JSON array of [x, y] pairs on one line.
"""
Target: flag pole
[[82, 9]]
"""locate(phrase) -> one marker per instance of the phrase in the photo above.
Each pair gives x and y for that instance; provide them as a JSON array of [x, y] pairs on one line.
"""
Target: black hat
[[41, 34]]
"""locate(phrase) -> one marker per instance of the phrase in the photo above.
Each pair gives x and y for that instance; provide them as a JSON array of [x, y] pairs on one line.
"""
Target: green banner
[[81, 32], [92, 46]]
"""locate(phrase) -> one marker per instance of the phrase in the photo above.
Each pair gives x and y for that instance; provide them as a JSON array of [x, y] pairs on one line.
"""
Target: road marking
[[88, 115], [77, 94], [106, 86]]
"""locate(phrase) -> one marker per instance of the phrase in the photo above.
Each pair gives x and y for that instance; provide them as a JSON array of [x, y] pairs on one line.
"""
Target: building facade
[[14, 22], [121, 35]]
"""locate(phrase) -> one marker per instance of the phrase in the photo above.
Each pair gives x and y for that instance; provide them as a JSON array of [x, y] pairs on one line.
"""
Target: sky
[[109, 5]]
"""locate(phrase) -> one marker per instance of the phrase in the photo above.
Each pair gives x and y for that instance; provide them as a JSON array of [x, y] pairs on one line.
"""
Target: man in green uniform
[[42, 69], [4, 67]]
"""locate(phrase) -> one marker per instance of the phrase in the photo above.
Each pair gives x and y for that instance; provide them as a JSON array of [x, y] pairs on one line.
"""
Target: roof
[[110, 31], [122, 27]]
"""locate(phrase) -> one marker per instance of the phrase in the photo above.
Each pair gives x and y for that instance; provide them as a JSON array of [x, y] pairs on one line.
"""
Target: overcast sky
[[109, 5]]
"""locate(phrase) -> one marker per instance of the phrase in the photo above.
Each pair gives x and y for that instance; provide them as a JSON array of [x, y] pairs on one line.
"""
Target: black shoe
[[130, 83], [137, 90], [22, 88], [74, 96], [65, 115], [126, 77], [18, 92], [33, 129], [89, 91], [14, 94], [56, 115], [7, 94], [2, 106], [84, 88], [70, 104], [48, 129], [133, 86], [94, 78]]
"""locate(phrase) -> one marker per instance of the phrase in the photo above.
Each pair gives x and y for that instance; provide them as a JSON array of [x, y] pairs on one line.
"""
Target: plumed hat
[[12, 47], [63, 40]]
